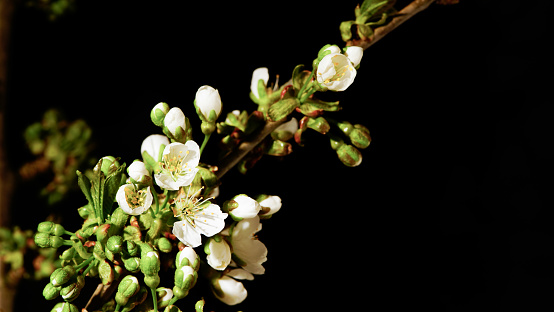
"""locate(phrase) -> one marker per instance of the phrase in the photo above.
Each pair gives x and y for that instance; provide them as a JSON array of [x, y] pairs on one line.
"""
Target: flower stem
[[206, 139], [154, 298], [84, 263], [308, 82]]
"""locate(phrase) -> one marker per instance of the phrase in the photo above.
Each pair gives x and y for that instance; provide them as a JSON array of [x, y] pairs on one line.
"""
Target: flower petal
[[210, 221], [187, 233]]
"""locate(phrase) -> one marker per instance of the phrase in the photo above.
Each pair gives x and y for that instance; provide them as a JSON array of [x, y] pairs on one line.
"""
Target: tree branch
[[234, 157], [103, 293], [405, 14]]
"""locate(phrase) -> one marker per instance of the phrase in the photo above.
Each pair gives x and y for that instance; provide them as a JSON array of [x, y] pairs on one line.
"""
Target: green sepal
[[132, 264], [279, 148], [345, 30], [319, 124], [314, 107], [364, 31], [137, 299], [209, 178], [237, 121], [111, 186], [283, 108], [149, 162], [199, 306], [132, 233], [299, 77], [106, 272]]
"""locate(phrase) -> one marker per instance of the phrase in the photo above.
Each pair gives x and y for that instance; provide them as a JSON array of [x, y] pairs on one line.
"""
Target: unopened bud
[[51, 292], [150, 263], [158, 113], [185, 278], [164, 245], [279, 148], [62, 275], [72, 291], [349, 155], [106, 272], [360, 136], [51, 228], [152, 281], [127, 288], [187, 257], [115, 244], [164, 296]]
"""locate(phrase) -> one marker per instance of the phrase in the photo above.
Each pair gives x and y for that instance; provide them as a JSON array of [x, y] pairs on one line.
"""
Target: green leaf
[[368, 9], [345, 31], [283, 108], [210, 179], [299, 76], [111, 186], [84, 184]]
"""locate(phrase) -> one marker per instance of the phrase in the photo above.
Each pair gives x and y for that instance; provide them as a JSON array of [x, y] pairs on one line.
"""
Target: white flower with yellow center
[[197, 217], [133, 200], [335, 72], [178, 165]]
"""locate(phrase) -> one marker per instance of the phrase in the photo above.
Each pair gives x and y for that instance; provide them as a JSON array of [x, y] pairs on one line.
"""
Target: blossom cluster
[[169, 213]]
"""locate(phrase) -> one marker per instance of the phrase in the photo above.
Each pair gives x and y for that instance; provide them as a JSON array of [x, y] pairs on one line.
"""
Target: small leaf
[[283, 108], [111, 186], [345, 30], [84, 184]]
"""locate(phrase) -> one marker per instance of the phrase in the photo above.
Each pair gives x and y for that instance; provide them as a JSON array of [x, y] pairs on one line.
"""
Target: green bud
[[172, 308], [319, 124], [158, 113], [137, 299], [199, 306], [85, 211], [56, 241], [349, 155], [150, 263], [115, 244], [127, 288], [185, 278], [72, 291], [279, 148], [187, 256], [51, 292], [119, 218], [42, 240], [98, 251], [132, 248], [152, 281], [51, 228], [164, 296], [360, 137], [164, 245], [64, 307], [102, 233], [62, 275], [132, 233], [108, 164], [179, 293]]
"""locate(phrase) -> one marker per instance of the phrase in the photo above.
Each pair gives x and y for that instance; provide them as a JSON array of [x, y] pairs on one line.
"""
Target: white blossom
[[174, 119], [228, 290], [259, 73], [270, 205], [335, 72], [354, 54], [249, 251], [197, 217], [178, 165], [208, 99], [132, 200], [218, 253], [137, 171], [153, 144], [246, 207]]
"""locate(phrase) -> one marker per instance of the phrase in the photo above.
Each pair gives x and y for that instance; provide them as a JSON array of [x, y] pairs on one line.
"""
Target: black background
[[456, 100]]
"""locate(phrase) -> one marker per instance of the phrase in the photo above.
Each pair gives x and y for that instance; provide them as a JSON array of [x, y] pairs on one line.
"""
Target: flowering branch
[[233, 158], [405, 14]]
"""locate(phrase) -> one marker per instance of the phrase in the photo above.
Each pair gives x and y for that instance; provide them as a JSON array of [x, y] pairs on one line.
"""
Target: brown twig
[[405, 14]]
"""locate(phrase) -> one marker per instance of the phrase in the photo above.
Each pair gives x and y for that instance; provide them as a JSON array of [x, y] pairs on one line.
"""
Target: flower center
[[187, 207], [135, 198], [174, 165], [341, 68]]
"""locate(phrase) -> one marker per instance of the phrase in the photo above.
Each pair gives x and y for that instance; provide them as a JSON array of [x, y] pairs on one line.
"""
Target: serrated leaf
[[84, 184], [370, 8], [111, 186], [283, 108]]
